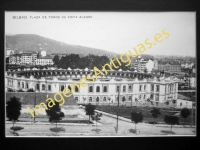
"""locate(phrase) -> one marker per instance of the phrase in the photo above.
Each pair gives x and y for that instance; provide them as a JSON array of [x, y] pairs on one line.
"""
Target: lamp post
[[192, 110], [118, 109]]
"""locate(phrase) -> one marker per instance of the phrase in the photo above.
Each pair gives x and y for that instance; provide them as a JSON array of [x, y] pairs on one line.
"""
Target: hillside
[[32, 42]]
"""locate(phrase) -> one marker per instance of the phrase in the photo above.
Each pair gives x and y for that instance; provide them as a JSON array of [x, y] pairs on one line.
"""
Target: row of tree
[[90, 61], [13, 108]]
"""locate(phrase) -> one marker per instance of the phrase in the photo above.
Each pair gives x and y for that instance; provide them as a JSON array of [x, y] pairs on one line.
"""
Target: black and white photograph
[[100, 74]]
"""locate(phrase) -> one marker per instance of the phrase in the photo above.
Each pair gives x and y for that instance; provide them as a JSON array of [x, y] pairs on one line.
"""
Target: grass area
[[147, 116], [15, 128], [58, 129]]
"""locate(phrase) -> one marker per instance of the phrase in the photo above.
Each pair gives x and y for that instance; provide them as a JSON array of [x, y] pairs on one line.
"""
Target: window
[[43, 87], [157, 88], [118, 88], [90, 99], [38, 87], [22, 84], [104, 99], [18, 84], [144, 87], [144, 96], [140, 89], [90, 89], [76, 99], [152, 87], [130, 88], [157, 97], [76, 89], [151, 96], [97, 99], [27, 85], [140, 96], [124, 88], [97, 89], [105, 89], [49, 87], [130, 98]]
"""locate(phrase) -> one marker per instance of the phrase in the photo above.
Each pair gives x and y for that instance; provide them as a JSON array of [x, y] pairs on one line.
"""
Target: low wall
[[28, 98]]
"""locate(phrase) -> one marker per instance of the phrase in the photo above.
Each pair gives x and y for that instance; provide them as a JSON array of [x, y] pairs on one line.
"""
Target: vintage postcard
[[93, 74]]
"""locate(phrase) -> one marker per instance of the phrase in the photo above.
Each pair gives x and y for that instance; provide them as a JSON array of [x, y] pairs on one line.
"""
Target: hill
[[32, 42]]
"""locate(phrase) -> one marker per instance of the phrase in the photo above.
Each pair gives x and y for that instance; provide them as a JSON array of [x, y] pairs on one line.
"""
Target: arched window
[[105, 89], [90, 89], [62, 88], [43, 87], [97, 89]]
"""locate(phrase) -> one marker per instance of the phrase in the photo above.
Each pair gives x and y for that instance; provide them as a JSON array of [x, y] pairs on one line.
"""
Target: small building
[[9, 52], [15, 59], [140, 64], [44, 61], [169, 66]]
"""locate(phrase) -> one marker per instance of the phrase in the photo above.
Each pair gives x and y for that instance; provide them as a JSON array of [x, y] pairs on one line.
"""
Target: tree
[[56, 60], [13, 108], [172, 120], [123, 99], [155, 112], [89, 109], [185, 112], [96, 117], [109, 99], [136, 117], [54, 113]]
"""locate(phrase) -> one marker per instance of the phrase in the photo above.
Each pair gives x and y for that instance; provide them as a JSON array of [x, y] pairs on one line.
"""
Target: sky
[[116, 32]]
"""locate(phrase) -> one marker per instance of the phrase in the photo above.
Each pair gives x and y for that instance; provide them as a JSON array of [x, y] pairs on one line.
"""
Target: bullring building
[[132, 86]]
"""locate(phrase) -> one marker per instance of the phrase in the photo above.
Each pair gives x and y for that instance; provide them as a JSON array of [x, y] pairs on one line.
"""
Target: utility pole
[[192, 110], [117, 109], [34, 104]]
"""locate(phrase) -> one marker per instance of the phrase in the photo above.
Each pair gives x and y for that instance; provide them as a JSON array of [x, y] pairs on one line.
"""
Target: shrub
[[30, 90], [89, 109], [55, 113], [57, 129], [136, 117], [185, 112], [155, 112], [13, 108], [172, 120]]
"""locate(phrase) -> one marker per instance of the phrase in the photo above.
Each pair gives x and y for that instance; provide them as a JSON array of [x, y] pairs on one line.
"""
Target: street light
[[192, 110], [118, 108]]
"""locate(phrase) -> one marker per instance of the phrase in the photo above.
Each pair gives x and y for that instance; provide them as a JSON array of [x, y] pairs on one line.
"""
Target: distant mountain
[[32, 42]]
